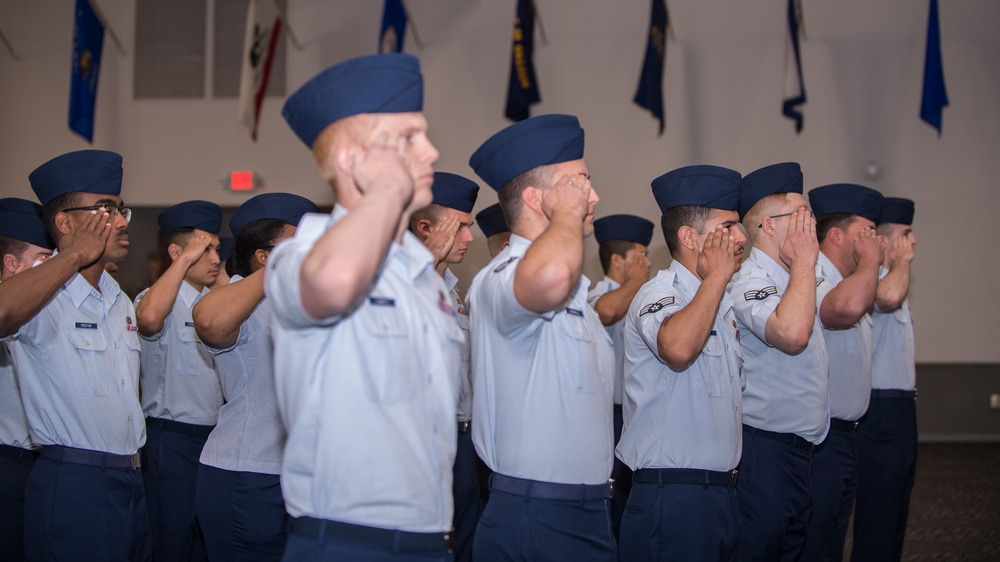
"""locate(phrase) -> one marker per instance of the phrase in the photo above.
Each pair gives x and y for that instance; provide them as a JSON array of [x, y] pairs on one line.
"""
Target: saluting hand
[[195, 249], [88, 241], [717, 256], [569, 196], [867, 247], [898, 250], [800, 244], [637, 267], [441, 238], [382, 169]]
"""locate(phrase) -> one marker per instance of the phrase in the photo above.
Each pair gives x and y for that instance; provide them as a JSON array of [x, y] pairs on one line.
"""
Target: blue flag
[[935, 97], [795, 86], [522, 91], [88, 40], [390, 40], [650, 92]]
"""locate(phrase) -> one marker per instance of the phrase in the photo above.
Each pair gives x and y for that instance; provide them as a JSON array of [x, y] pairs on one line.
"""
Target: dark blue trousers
[[465, 488], [887, 460], [170, 472], [241, 514], [15, 465], [680, 522], [520, 528], [775, 505], [325, 548], [833, 484], [622, 475], [79, 512]]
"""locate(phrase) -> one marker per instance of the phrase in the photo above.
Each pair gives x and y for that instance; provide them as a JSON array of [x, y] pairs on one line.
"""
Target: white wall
[[863, 67]]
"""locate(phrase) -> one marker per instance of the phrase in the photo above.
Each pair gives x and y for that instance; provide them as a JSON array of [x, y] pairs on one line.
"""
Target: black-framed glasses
[[112, 211], [761, 225]]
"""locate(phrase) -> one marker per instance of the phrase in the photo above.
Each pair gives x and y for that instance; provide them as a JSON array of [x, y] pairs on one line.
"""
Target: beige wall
[[863, 67]]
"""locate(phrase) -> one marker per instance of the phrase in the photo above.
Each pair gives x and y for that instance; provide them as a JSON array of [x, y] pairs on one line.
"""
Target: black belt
[[684, 476], [180, 427], [465, 426], [845, 425], [551, 490], [17, 453], [893, 393], [59, 453], [398, 541], [786, 438]]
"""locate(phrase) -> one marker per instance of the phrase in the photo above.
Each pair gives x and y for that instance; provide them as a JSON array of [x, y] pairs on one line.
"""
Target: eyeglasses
[[112, 211], [761, 225]]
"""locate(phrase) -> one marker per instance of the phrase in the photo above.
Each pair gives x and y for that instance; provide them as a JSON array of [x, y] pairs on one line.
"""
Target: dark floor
[[955, 508]]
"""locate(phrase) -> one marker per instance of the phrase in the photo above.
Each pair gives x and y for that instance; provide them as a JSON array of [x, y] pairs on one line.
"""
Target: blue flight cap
[[623, 227], [226, 246], [389, 83], [897, 210], [285, 207], [454, 191], [704, 186], [526, 145], [846, 198], [776, 178], [90, 171], [491, 220], [201, 215], [22, 220]]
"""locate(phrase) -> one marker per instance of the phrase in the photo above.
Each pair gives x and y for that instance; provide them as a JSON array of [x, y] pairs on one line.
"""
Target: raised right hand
[[570, 196], [195, 248], [717, 256], [800, 244], [382, 169], [88, 241]]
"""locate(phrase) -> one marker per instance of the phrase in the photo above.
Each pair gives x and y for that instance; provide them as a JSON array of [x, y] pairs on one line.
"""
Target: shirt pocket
[[90, 376], [576, 360], [387, 361], [713, 365], [193, 347]]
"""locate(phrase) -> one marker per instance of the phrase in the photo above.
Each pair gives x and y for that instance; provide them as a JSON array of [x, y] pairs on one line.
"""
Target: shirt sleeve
[[166, 321], [498, 290], [755, 298], [651, 307], [282, 284]]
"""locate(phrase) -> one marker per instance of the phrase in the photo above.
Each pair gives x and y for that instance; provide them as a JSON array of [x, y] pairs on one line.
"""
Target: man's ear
[[9, 263], [688, 237], [617, 260], [62, 222], [174, 251], [261, 256], [423, 228], [531, 196], [344, 158]]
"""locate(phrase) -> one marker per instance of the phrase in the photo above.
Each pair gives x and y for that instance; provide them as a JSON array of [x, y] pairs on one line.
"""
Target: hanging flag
[[795, 86], [390, 40], [649, 95], [935, 97], [259, 43], [88, 41], [522, 90]]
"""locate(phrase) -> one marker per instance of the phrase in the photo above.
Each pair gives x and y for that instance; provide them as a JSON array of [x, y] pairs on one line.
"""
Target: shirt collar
[[188, 293], [413, 257], [450, 280], [771, 267], [611, 283], [79, 289], [830, 271]]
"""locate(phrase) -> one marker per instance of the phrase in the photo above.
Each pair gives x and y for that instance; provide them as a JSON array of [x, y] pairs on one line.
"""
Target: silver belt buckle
[[134, 457]]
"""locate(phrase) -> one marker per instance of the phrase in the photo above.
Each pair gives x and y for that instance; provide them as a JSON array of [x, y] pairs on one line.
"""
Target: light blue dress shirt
[[464, 412], [784, 393], [680, 419], [178, 377], [78, 368], [616, 331], [894, 357], [368, 397], [249, 436], [850, 353], [13, 424], [543, 382]]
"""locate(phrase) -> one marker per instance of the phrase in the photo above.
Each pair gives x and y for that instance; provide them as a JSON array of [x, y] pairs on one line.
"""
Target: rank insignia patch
[[656, 306], [760, 294]]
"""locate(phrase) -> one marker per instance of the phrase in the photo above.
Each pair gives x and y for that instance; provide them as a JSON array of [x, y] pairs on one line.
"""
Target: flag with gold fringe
[[649, 94], [522, 90]]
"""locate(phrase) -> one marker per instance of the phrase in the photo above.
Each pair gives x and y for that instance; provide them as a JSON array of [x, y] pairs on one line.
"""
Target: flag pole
[[107, 26], [413, 25], [10, 48], [541, 26], [288, 28]]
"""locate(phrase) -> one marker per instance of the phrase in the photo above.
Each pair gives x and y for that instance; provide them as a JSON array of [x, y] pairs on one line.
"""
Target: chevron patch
[[656, 306], [760, 294]]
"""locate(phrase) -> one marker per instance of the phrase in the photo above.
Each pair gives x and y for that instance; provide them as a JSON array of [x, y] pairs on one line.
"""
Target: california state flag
[[259, 44]]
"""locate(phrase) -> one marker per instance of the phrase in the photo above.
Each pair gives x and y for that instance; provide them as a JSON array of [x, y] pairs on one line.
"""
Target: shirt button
[[116, 345], [87, 342], [435, 428], [578, 332], [123, 381]]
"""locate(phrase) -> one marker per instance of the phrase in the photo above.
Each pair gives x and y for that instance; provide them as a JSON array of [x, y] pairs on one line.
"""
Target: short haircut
[[354, 129], [674, 218], [13, 247], [54, 207], [765, 207], [179, 236], [510, 194], [833, 220], [256, 235], [610, 248], [432, 213]]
